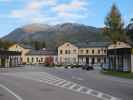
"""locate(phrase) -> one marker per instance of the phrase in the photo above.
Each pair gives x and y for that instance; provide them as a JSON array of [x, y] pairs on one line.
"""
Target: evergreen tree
[[129, 29], [114, 25], [4, 45]]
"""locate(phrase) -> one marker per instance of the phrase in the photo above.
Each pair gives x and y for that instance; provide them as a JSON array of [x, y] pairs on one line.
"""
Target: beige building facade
[[68, 54], [92, 53], [41, 57], [24, 49], [10, 58]]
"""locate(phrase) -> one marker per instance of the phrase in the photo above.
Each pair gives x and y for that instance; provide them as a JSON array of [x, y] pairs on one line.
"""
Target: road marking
[[11, 92], [66, 84], [71, 87], [60, 82], [50, 79], [79, 89], [77, 78]]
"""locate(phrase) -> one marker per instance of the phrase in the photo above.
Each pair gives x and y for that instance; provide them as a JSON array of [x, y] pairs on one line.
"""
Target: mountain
[[56, 34]]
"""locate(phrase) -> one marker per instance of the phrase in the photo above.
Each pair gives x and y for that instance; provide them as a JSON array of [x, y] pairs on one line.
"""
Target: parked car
[[76, 66], [87, 67], [68, 66]]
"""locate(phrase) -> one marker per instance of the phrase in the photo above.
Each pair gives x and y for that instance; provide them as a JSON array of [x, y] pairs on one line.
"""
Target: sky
[[16, 13]]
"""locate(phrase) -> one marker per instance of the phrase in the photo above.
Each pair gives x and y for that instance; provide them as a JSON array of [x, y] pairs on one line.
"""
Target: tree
[[114, 26], [4, 45], [129, 29], [38, 45]]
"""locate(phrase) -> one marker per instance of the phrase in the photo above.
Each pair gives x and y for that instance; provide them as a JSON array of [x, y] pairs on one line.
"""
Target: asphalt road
[[118, 87], [14, 87], [31, 89]]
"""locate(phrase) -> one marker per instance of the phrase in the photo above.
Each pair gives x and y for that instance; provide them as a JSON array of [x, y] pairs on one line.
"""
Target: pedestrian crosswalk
[[62, 83]]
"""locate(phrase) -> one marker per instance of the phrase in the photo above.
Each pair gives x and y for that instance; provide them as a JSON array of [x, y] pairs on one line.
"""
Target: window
[[65, 51], [67, 44], [74, 60], [41, 59], [87, 51], [61, 52], [93, 51], [81, 51], [99, 60], [74, 51], [69, 52], [36, 59], [105, 51], [28, 59], [104, 59], [98, 51], [32, 59]]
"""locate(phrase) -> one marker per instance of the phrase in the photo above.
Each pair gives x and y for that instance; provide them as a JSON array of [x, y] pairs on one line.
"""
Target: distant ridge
[[56, 34]]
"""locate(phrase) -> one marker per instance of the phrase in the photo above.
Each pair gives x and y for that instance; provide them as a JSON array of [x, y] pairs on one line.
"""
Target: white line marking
[[79, 89], [72, 86], [77, 78], [66, 84], [89, 91], [60, 82], [11, 92], [100, 95], [51, 80]]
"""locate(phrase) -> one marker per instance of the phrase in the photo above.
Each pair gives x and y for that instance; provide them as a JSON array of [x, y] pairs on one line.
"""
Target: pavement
[[118, 87], [24, 89], [32, 82]]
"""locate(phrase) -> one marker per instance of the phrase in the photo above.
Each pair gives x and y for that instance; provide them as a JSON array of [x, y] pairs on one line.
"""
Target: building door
[[93, 61], [3, 61], [87, 60]]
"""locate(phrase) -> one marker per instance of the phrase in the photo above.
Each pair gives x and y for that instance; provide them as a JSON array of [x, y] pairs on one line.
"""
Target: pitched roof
[[42, 52], [9, 53], [26, 46], [93, 44]]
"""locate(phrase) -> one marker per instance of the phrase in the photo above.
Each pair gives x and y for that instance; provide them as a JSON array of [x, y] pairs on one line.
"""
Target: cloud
[[73, 5], [72, 11], [32, 8], [52, 10]]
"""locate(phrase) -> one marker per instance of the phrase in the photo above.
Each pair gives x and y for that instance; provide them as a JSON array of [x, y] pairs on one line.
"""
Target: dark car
[[68, 66], [76, 66], [87, 67]]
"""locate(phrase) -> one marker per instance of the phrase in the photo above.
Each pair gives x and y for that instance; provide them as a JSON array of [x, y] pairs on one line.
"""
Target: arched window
[[93, 51], [32, 59], [28, 59], [87, 51], [98, 51], [61, 52]]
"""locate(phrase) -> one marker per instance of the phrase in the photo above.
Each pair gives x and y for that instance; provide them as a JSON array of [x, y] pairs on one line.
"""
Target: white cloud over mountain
[[52, 10]]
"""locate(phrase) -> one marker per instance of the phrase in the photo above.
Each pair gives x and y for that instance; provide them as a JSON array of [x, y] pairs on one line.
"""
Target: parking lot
[[90, 79]]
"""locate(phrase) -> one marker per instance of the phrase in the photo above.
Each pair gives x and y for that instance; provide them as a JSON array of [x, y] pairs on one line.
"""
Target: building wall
[[23, 51], [119, 45], [92, 51], [10, 60], [40, 59], [68, 54], [92, 55]]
